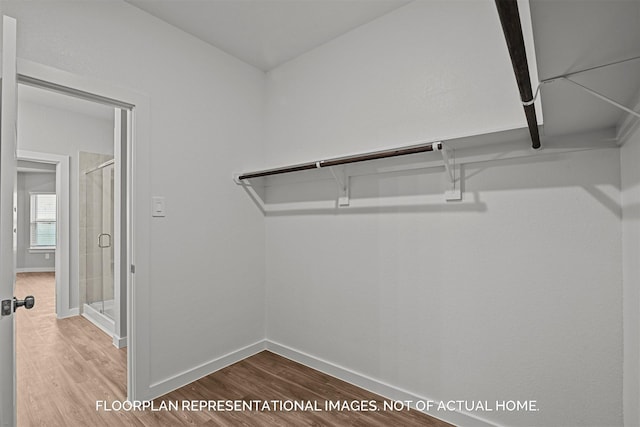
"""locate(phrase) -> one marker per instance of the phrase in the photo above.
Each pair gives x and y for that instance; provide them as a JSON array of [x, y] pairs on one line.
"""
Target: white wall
[[32, 182], [207, 254], [630, 156], [50, 130], [513, 294], [408, 76], [514, 297]]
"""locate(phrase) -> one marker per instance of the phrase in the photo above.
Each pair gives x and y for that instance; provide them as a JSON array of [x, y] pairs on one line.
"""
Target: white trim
[[42, 250], [71, 313], [36, 270], [8, 118], [138, 294], [34, 170], [373, 385], [119, 203], [174, 382], [63, 227], [119, 342], [388, 391], [105, 324]]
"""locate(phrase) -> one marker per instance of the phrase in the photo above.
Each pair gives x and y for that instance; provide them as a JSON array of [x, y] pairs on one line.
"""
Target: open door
[[8, 123]]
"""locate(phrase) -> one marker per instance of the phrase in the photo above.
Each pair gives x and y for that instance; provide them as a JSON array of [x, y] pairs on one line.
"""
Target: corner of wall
[[630, 191], [181, 379], [371, 384]]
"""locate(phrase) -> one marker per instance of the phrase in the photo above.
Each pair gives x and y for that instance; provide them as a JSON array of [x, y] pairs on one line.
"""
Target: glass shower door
[[100, 253]]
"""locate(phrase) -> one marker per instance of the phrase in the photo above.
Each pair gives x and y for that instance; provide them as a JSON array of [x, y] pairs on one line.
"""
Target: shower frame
[[100, 254]]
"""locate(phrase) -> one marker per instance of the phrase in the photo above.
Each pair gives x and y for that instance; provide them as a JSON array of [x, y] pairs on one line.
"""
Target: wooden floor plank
[[65, 366]]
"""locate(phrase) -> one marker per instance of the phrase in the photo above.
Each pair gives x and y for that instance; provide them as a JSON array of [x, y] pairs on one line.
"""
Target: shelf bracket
[[452, 171], [253, 194], [604, 98], [343, 182]]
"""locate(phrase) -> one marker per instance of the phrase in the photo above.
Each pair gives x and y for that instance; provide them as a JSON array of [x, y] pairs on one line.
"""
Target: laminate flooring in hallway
[[65, 366]]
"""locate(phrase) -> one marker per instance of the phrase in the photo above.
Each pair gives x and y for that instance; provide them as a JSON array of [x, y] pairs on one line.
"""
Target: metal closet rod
[[345, 160], [512, 29]]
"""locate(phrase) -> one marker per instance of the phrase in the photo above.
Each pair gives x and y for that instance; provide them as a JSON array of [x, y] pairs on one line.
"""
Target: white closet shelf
[[343, 179]]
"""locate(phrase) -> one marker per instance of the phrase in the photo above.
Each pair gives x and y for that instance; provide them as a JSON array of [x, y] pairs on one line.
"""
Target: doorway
[[112, 241], [30, 162]]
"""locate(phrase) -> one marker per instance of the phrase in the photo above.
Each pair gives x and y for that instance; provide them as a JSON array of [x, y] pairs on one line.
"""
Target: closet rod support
[[584, 70], [237, 180], [343, 183], [601, 96], [450, 169], [454, 193]]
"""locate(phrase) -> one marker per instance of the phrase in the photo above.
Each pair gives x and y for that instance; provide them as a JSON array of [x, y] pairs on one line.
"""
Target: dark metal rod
[[378, 155], [512, 28], [344, 160], [277, 171]]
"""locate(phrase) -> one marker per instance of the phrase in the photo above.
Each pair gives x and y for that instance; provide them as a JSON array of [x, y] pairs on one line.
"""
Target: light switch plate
[[157, 206]]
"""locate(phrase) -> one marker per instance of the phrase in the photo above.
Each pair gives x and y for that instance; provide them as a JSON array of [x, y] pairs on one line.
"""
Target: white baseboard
[[174, 382], [36, 270], [169, 384], [68, 313], [119, 342], [104, 323], [385, 390]]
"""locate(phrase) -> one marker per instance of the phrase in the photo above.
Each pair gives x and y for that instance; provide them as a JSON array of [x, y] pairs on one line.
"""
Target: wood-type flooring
[[66, 366]]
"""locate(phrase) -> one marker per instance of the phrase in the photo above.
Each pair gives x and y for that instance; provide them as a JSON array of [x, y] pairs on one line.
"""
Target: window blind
[[43, 220]]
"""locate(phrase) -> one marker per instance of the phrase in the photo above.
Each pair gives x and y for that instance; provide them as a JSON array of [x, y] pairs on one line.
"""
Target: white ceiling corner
[[267, 33], [571, 36]]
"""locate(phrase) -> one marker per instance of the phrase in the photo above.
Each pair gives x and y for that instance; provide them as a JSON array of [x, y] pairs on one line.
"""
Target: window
[[43, 221]]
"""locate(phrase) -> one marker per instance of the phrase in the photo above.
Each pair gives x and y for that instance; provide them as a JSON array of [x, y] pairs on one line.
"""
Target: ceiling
[[267, 33], [571, 36], [568, 35]]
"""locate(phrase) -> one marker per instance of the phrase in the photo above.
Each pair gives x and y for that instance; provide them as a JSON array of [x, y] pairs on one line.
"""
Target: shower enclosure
[[99, 256]]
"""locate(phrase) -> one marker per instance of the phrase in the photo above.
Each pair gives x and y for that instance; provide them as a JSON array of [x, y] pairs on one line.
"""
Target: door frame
[[8, 223], [63, 229], [137, 232]]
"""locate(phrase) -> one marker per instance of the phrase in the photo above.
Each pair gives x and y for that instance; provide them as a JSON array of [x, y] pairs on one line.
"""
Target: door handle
[[101, 244], [28, 302]]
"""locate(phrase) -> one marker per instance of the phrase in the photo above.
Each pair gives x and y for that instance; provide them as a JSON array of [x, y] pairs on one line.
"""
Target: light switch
[[157, 206]]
